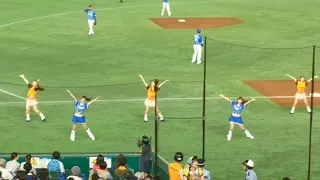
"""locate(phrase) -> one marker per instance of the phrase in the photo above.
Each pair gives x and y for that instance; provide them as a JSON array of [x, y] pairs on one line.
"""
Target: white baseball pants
[[91, 24], [196, 58], [165, 6]]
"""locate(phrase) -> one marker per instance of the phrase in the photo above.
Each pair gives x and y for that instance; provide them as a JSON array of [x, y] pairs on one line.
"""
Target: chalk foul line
[[159, 99], [11, 94]]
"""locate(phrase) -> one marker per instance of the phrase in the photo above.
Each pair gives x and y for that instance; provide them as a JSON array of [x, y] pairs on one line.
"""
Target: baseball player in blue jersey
[[235, 118], [165, 6], [197, 47], [92, 19], [78, 117]]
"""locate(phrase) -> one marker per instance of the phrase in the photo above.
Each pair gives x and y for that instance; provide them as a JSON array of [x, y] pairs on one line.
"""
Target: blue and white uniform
[[251, 175], [197, 47], [78, 117], [165, 6], [236, 113], [91, 20]]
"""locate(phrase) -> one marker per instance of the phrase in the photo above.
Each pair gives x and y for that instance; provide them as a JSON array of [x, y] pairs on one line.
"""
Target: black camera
[[145, 140]]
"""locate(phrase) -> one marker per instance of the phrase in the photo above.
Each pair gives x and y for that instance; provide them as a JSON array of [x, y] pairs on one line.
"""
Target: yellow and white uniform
[[150, 101], [301, 87], [31, 96]]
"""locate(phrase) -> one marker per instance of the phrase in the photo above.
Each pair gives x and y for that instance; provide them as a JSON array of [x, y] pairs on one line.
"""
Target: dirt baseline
[[274, 89], [194, 23]]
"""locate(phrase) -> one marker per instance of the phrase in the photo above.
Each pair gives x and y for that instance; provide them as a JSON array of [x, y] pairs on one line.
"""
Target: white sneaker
[[72, 137], [145, 119], [161, 118], [162, 14], [229, 137], [92, 138], [199, 62], [291, 112], [251, 137]]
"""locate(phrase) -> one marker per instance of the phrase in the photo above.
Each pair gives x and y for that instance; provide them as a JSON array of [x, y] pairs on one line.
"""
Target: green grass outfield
[[37, 39]]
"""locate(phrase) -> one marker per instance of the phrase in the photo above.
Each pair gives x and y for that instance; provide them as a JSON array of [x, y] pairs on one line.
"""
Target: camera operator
[[146, 150]]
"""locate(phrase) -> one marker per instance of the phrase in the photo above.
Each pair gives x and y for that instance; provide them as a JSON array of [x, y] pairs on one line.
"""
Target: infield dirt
[[194, 23], [278, 88]]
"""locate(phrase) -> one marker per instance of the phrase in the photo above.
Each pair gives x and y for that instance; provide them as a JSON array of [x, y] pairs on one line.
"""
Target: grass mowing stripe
[[108, 8]]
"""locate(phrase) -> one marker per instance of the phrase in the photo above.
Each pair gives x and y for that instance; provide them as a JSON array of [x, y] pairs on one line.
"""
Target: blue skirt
[[78, 120], [236, 120]]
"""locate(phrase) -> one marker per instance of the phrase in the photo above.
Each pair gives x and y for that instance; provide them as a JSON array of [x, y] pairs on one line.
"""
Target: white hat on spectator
[[248, 163]]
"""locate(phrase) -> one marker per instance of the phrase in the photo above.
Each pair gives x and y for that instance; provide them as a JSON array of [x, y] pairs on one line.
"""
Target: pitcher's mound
[[193, 23]]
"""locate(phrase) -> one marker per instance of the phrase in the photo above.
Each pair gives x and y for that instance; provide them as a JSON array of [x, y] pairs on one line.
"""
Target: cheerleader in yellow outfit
[[300, 94], [150, 101], [33, 89]]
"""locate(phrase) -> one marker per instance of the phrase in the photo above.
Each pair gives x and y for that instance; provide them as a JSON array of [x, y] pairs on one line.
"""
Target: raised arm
[[221, 95], [144, 82], [74, 98], [94, 100], [25, 80], [253, 99], [316, 76], [293, 78], [163, 83]]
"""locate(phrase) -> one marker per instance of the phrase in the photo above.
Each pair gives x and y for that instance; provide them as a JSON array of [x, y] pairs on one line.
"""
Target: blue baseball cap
[[198, 30]]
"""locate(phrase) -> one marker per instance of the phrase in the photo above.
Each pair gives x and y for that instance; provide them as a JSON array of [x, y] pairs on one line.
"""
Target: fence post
[[204, 98], [311, 114]]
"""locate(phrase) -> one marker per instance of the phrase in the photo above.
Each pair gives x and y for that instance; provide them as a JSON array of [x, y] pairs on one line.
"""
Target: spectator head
[[149, 177], [56, 155], [178, 157], [138, 175], [103, 165], [201, 162], [285, 178], [27, 167], [21, 175], [193, 161], [14, 156], [121, 161], [95, 176], [28, 158], [3, 163], [75, 170], [127, 175], [248, 164], [99, 159]]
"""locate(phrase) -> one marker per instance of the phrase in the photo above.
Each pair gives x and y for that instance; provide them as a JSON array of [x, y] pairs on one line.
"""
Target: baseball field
[[49, 40]]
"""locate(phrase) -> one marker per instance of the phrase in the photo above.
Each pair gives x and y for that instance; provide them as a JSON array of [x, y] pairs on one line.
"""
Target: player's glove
[[95, 22], [86, 10]]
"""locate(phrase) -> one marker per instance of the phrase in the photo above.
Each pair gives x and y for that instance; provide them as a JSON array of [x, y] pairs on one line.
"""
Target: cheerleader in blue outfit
[[235, 118], [79, 118]]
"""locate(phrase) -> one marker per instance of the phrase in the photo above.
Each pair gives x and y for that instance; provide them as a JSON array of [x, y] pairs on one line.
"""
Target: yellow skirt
[[150, 103]]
